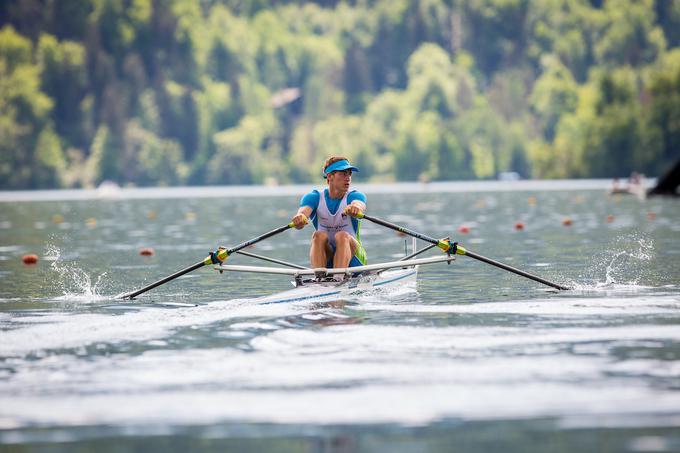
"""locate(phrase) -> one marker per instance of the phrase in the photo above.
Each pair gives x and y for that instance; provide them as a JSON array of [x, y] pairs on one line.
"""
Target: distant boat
[[635, 186], [108, 189], [509, 176]]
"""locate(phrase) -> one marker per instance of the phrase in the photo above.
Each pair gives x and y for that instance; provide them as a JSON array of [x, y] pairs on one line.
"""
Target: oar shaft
[[401, 229], [514, 270], [460, 250], [221, 255], [136, 293], [262, 237]]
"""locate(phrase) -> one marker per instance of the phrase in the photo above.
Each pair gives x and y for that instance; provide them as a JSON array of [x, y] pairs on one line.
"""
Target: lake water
[[473, 358]]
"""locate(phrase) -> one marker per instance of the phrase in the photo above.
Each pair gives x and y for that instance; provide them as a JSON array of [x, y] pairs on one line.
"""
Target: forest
[[188, 92]]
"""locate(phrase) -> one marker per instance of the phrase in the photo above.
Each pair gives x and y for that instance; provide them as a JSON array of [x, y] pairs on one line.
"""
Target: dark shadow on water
[[508, 436]]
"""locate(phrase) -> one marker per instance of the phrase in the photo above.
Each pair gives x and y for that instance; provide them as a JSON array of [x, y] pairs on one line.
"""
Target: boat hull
[[309, 291]]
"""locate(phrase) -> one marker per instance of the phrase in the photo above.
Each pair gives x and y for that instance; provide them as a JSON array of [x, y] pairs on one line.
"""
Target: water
[[473, 359]]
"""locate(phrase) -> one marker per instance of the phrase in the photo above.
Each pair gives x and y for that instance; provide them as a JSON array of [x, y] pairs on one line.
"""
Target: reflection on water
[[474, 356]]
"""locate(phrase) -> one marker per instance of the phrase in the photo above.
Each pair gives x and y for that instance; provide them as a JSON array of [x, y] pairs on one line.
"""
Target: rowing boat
[[326, 282], [321, 290], [320, 284]]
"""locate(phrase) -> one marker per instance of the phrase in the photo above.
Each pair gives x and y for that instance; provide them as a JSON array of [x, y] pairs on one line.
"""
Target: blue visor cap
[[339, 166]]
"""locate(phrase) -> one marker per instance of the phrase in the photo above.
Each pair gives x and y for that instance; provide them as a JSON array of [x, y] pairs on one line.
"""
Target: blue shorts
[[355, 261]]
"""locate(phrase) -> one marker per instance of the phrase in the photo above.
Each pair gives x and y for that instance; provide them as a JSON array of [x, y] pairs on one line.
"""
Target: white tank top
[[332, 223]]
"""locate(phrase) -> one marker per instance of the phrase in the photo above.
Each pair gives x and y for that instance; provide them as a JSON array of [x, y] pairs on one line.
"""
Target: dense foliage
[[166, 92]]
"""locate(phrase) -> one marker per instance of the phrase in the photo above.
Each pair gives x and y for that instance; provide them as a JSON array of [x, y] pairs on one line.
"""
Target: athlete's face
[[340, 180]]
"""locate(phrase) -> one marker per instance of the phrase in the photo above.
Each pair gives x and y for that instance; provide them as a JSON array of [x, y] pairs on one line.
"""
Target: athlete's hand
[[300, 220], [353, 210]]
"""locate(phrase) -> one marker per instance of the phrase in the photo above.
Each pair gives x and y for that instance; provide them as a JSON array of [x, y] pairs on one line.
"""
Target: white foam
[[577, 307], [72, 330]]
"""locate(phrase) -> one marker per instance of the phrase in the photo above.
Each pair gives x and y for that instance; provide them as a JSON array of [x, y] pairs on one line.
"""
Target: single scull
[[327, 283]]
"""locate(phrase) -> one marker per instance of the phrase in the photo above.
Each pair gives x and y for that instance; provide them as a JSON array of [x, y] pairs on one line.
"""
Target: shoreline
[[183, 192]]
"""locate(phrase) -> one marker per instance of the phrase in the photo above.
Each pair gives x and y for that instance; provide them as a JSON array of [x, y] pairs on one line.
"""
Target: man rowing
[[336, 242]]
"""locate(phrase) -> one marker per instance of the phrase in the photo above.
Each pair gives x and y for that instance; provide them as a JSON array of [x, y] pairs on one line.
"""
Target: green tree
[[432, 81], [64, 79], [668, 16], [630, 35], [49, 161], [238, 158], [178, 91], [24, 118], [151, 160], [503, 26], [555, 93], [105, 159], [568, 29], [662, 116]]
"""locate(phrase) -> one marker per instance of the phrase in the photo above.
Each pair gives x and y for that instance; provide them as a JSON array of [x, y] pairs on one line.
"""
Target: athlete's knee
[[320, 237], [342, 237]]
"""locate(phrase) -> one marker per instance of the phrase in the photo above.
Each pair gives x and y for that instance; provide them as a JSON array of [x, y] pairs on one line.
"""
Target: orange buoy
[[610, 218], [464, 229], [30, 258], [567, 222], [147, 251], [57, 218], [151, 215], [651, 215], [519, 226]]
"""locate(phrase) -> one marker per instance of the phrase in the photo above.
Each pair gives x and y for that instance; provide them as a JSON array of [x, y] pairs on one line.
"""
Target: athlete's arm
[[301, 218], [308, 205], [357, 204]]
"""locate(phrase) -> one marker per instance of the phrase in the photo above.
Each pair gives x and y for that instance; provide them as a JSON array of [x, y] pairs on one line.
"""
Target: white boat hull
[[332, 290]]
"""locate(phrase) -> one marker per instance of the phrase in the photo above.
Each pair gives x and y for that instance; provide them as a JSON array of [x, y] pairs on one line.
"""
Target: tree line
[[169, 92]]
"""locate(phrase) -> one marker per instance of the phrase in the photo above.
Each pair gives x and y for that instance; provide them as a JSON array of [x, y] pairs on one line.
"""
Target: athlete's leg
[[345, 248], [320, 250]]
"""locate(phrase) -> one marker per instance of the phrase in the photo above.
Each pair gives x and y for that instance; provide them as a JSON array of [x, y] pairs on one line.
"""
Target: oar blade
[[218, 256]]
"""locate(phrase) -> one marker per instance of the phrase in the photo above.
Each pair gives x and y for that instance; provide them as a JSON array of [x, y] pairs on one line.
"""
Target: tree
[[554, 94], [105, 160], [64, 79], [24, 118], [150, 160], [432, 81], [495, 32], [630, 36], [238, 158], [568, 29], [663, 115], [49, 162]]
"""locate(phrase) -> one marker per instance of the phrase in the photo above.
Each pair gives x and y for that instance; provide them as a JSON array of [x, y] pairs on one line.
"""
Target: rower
[[333, 211]]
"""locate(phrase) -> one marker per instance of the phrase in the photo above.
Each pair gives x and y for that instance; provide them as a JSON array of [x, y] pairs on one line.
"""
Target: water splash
[[74, 283], [625, 265], [628, 266]]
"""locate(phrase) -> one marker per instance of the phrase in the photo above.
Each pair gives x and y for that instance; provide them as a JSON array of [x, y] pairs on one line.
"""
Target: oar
[[215, 257], [455, 248]]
